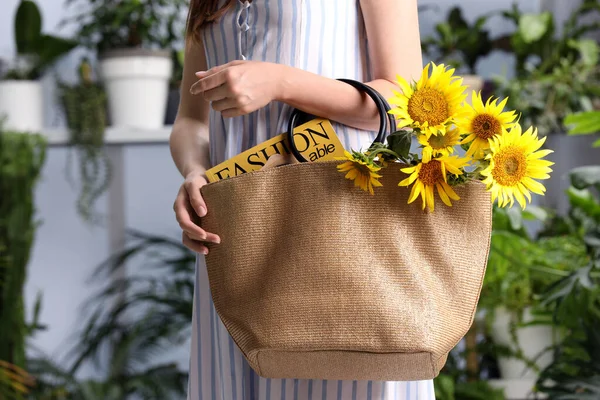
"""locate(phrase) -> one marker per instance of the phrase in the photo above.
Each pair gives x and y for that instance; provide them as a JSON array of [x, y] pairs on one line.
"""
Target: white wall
[[66, 250]]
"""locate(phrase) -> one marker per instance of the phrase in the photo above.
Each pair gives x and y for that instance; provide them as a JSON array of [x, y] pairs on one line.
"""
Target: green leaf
[[399, 142], [515, 217], [583, 123], [52, 48], [592, 239], [456, 20], [584, 200], [533, 27], [444, 387], [28, 27], [588, 50], [535, 213], [566, 286], [480, 22], [584, 177], [596, 143]]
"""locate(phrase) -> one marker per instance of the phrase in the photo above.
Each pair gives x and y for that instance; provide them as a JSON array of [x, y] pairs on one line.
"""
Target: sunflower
[[484, 122], [361, 170], [431, 103], [439, 145], [429, 175], [515, 161]]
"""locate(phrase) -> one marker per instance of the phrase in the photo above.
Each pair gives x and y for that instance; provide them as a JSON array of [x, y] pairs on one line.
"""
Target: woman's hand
[[239, 87], [188, 206]]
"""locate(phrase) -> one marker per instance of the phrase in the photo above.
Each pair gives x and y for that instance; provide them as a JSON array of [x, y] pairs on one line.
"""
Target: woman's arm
[[395, 46], [392, 27], [189, 138], [190, 151]]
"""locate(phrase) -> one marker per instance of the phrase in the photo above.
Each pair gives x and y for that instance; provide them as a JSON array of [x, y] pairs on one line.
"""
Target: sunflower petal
[[443, 195]]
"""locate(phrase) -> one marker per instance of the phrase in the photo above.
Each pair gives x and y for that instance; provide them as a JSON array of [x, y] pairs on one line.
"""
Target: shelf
[[115, 135]]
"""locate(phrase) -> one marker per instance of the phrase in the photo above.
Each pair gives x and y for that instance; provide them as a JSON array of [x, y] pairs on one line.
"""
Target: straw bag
[[310, 285]]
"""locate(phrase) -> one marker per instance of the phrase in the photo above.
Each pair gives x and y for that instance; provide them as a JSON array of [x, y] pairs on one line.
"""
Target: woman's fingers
[[194, 197], [227, 104], [213, 81], [193, 245], [218, 93], [185, 216]]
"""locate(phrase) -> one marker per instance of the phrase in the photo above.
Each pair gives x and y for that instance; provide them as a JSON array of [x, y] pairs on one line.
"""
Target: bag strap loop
[[387, 121]]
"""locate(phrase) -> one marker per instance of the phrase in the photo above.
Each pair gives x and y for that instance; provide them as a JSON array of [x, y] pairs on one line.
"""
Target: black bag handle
[[387, 121]]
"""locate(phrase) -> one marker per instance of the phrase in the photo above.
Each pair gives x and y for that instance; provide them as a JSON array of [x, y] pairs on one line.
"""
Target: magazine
[[316, 140]]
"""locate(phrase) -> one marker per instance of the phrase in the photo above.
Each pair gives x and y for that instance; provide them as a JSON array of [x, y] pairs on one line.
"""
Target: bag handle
[[387, 121]]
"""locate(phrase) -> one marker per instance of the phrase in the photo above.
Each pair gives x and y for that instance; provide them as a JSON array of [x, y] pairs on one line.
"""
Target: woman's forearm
[[331, 99], [189, 146]]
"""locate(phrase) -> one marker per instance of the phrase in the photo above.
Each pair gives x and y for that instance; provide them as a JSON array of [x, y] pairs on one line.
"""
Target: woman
[[247, 64]]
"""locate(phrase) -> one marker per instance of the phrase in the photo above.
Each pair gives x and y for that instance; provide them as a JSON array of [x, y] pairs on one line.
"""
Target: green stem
[[388, 151], [548, 270]]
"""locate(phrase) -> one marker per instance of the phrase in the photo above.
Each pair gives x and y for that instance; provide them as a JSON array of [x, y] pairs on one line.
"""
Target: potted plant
[[21, 100], [520, 269], [461, 45], [136, 321], [575, 299], [555, 75], [132, 39], [21, 160], [84, 104]]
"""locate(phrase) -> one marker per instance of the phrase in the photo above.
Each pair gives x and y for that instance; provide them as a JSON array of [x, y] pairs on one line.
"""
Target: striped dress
[[326, 37]]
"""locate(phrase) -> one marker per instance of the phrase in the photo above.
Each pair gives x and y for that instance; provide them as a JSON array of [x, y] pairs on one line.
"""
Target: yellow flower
[[439, 145], [431, 175], [431, 103], [484, 122], [515, 161], [360, 170]]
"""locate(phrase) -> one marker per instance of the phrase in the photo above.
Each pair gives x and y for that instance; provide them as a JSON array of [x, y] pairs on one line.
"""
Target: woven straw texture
[[317, 279]]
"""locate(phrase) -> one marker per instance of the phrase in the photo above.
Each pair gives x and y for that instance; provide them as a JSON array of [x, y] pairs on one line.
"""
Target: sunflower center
[[510, 166], [364, 170], [437, 142], [431, 173], [428, 105], [485, 126]]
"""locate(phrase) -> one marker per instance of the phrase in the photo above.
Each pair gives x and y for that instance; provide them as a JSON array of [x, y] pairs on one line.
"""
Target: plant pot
[[472, 82], [569, 152], [172, 105], [21, 102], [533, 340], [137, 83]]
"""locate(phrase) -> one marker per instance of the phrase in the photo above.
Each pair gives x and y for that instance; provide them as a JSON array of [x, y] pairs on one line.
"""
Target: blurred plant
[[178, 60], [35, 51], [458, 382], [584, 123], [457, 43], [15, 382], [84, 104], [446, 388], [520, 269], [575, 299], [556, 75], [116, 24], [534, 40], [21, 159], [515, 276], [133, 319], [546, 99]]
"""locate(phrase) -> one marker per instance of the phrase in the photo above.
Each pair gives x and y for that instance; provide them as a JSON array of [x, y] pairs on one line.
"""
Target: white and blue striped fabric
[[326, 37]]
